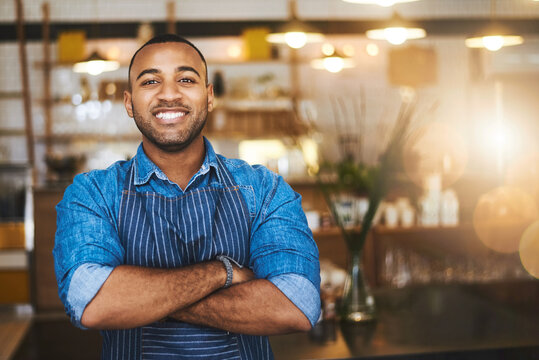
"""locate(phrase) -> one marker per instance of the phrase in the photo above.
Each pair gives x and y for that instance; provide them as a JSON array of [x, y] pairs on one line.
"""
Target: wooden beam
[[171, 17], [25, 89], [47, 78], [115, 30]]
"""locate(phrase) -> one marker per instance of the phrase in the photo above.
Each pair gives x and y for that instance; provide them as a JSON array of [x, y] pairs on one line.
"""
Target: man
[[180, 253]]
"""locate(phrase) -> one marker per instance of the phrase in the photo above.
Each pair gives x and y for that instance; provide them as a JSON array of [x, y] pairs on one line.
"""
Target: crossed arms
[[135, 296]]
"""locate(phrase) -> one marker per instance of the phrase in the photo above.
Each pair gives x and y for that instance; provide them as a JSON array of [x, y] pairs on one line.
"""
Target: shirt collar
[[145, 168]]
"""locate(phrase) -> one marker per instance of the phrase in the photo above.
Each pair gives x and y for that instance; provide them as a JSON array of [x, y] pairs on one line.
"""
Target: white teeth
[[169, 115]]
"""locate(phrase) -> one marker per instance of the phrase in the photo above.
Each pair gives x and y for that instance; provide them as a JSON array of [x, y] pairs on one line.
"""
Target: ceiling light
[[295, 33], [494, 42], [333, 63], [494, 36], [95, 64], [397, 31], [385, 3]]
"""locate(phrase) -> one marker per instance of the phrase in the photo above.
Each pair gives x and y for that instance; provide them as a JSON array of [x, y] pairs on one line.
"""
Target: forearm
[[134, 296], [256, 307]]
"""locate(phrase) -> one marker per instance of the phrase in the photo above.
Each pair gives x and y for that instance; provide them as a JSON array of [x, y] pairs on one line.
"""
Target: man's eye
[[186, 80], [149, 82]]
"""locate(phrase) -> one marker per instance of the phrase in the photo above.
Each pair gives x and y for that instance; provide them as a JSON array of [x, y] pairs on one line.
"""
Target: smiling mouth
[[169, 115]]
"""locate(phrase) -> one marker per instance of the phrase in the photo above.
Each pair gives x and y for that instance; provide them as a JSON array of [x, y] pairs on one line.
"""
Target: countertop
[[474, 321]]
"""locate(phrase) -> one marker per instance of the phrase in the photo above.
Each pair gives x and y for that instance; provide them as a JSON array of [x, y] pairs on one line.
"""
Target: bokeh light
[[436, 148], [529, 249], [234, 51], [523, 172], [501, 216], [328, 49], [372, 49]]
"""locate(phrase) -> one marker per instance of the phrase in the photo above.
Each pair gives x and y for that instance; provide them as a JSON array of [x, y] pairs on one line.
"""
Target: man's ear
[[128, 103], [210, 97]]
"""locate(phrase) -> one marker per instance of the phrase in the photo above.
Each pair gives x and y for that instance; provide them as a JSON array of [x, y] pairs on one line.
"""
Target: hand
[[242, 275]]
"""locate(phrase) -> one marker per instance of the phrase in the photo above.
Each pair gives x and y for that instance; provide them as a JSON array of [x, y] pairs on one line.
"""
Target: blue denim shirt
[[87, 245]]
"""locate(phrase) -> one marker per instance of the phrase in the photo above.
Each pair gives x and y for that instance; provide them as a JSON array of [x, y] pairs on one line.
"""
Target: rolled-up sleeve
[[87, 246], [301, 292], [283, 250]]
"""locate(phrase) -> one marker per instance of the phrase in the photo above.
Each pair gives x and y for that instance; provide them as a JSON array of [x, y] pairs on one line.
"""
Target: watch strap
[[229, 270]]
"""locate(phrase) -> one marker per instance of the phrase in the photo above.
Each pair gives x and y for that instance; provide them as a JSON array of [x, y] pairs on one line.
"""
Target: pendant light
[[385, 3], [332, 60], [295, 33], [95, 64], [494, 36], [397, 31]]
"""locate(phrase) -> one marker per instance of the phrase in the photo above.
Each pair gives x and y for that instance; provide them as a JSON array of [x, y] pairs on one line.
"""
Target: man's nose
[[170, 91]]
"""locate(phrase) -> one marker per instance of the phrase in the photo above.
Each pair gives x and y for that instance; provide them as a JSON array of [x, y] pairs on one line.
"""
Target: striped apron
[[163, 232]]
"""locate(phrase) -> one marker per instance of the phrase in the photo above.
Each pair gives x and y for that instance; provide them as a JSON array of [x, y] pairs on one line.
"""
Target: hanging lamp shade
[[295, 33], [385, 3], [333, 62], [95, 64], [397, 31], [494, 37]]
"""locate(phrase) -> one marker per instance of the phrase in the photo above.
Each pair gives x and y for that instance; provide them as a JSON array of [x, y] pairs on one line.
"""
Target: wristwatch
[[229, 270]]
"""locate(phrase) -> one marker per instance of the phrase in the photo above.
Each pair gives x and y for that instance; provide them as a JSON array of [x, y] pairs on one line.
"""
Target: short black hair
[[164, 38]]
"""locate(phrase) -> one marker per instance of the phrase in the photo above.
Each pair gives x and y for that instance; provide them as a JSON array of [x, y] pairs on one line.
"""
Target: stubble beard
[[171, 142]]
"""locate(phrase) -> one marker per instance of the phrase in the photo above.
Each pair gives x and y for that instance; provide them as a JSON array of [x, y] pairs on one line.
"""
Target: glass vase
[[357, 303]]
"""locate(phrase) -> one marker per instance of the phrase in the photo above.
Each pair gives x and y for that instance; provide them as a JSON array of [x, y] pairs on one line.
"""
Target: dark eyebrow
[[157, 71], [148, 71], [187, 68]]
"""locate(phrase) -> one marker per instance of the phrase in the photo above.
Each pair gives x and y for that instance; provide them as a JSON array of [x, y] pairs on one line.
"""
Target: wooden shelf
[[255, 105], [12, 132], [383, 230], [8, 95], [63, 138], [458, 241]]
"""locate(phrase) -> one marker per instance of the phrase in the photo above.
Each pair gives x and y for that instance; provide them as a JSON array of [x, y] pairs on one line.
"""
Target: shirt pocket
[[249, 198], [181, 341]]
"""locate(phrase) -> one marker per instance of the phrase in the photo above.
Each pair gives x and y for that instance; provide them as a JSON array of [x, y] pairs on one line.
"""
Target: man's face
[[169, 98]]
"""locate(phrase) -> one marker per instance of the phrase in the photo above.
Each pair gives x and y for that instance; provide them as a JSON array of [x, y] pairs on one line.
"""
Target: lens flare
[[436, 148], [529, 249], [501, 216]]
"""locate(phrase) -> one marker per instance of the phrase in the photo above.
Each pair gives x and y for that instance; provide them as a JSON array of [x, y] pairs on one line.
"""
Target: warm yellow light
[[328, 49], [333, 64], [113, 53], [234, 51], [396, 35], [385, 3], [494, 42], [95, 67], [261, 151], [501, 216], [310, 154], [294, 39], [372, 49]]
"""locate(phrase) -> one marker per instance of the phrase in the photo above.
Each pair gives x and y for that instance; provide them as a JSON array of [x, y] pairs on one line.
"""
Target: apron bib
[[163, 232]]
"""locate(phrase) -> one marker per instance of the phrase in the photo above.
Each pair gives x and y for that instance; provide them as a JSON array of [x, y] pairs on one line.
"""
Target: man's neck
[[179, 166]]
